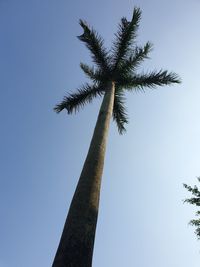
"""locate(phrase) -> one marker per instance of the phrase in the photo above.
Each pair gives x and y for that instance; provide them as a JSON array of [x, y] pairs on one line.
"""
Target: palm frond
[[135, 59], [95, 44], [148, 80], [119, 111], [74, 101], [127, 32], [95, 75]]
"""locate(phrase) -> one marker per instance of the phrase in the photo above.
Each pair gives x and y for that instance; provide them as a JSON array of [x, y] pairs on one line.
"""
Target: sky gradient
[[142, 220]]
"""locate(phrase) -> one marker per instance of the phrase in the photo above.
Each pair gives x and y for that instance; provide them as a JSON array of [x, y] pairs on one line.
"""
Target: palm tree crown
[[119, 65]]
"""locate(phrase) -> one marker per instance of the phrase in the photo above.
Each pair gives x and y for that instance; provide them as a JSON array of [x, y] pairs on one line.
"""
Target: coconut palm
[[115, 72]]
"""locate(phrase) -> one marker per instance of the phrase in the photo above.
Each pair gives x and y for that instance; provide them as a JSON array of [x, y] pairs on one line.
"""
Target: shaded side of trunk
[[77, 240]]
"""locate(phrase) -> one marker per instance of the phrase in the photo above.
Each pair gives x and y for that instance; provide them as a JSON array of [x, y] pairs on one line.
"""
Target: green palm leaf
[[119, 111], [75, 101], [135, 59], [95, 44], [127, 32], [148, 80]]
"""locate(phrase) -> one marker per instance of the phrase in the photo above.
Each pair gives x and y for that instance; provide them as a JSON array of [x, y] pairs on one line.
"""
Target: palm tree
[[114, 74]]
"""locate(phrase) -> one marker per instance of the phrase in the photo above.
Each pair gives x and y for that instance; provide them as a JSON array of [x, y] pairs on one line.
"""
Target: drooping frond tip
[[94, 42]]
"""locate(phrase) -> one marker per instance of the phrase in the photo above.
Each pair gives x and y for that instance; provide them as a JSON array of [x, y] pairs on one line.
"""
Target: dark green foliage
[[148, 80], [131, 63], [119, 65], [74, 101], [125, 37], [94, 43], [119, 111], [194, 201]]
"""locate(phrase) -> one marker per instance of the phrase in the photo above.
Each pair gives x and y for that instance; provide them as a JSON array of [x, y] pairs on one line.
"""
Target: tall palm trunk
[[77, 240]]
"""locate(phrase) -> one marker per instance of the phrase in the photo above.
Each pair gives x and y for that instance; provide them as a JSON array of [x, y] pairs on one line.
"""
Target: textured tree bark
[[77, 240]]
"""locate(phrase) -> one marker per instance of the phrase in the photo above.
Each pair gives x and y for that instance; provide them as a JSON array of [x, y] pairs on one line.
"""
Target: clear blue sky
[[142, 220]]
